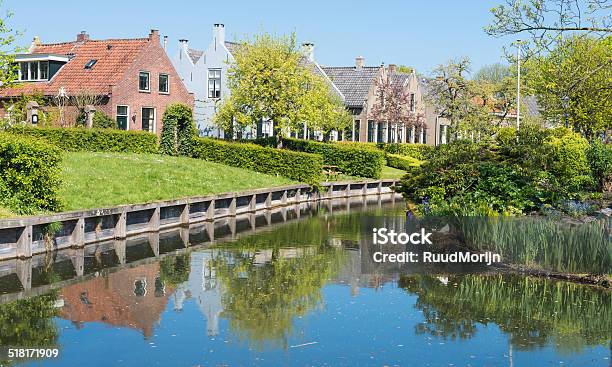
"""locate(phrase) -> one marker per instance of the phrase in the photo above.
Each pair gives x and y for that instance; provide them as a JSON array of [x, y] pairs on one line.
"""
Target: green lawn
[[390, 172], [94, 180]]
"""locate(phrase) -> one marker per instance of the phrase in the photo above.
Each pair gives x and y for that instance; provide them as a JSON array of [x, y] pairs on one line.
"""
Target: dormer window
[[39, 67]]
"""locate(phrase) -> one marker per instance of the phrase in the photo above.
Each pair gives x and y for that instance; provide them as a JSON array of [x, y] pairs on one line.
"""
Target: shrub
[[402, 162], [351, 158], [569, 162], [418, 151], [29, 174], [93, 140], [178, 130], [599, 156], [295, 165], [100, 120]]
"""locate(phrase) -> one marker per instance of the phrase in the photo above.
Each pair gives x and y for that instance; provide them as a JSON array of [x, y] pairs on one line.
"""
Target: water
[[301, 293]]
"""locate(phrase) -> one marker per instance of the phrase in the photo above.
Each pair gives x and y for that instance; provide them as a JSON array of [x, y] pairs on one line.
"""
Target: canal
[[298, 290]]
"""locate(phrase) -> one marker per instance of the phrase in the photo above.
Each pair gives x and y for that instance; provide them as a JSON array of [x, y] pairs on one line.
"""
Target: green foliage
[[178, 130], [269, 81], [573, 81], [418, 151], [100, 120], [93, 140], [402, 162], [174, 270], [29, 174], [295, 165], [8, 50], [17, 111], [599, 156], [352, 159], [28, 323], [515, 174]]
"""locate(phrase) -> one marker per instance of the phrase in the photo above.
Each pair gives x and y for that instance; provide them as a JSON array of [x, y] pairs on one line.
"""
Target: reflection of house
[[133, 297], [131, 80], [203, 287]]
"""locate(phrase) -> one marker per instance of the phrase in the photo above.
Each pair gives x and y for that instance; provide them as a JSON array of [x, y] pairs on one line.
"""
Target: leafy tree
[[543, 22], [8, 49], [178, 130], [100, 121], [268, 81], [495, 89], [452, 95], [572, 83]]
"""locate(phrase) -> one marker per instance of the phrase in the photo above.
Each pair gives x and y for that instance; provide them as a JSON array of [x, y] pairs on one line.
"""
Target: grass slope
[[94, 180]]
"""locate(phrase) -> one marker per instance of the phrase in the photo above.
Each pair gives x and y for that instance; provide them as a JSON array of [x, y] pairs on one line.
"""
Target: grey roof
[[399, 78], [194, 55], [352, 82], [317, 70], [231, 46]]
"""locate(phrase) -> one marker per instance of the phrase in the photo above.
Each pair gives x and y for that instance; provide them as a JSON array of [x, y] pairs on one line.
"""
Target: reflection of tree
[[29, 323], [532, 311], [174, 270], [261, 300]]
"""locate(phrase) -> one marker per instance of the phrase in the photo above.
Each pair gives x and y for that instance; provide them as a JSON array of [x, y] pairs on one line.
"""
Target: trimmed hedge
[[402, 162], [353, 159], [93, 140], [294, 165], [418, 151], [29, 174]]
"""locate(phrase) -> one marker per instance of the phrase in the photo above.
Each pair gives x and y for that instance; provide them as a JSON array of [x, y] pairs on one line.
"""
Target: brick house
[[133, 80]]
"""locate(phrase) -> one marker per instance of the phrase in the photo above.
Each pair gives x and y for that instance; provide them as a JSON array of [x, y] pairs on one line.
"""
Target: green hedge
[[418, 151], [93, 140], [295, 165], [29, 174], [402, 162], [353, 159]]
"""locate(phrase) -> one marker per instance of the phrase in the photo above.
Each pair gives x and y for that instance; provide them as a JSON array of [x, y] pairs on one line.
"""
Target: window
[[90, 63], [412, 103], [371, 131], [143, 81], [356, 126], [164, 86], [382, 131], [44, 70], [122, 117], [33, 70], [148, 119], [24, 71], [140, 287], [214, 83]]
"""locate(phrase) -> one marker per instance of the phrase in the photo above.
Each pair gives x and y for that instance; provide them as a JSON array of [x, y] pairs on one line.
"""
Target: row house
[[130, 80], [205, 75]]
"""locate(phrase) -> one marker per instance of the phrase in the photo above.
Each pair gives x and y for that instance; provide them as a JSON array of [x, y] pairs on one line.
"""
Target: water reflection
[[306, 292]]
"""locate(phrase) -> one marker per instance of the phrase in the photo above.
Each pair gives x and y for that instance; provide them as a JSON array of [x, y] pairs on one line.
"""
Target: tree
[[8, 49], [495, 89], [545, 21], [178, 130], [572, 83], [394, 104], [452, 94], [268, 81]]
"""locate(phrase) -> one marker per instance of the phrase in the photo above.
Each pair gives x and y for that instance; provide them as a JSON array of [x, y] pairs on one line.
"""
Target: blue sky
[[421, 33]]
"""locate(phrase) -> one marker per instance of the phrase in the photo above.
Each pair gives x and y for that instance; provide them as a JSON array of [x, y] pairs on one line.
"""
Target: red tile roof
[[114, 57]]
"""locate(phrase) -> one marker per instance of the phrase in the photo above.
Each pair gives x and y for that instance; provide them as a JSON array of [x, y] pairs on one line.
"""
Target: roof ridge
[[91, 40], [350, 67]]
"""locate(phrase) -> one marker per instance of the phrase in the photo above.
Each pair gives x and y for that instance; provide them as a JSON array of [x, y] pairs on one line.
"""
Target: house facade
[[130, 80]]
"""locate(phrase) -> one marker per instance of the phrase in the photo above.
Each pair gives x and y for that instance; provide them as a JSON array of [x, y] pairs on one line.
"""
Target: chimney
[[359, 61], [165, 43], [154, 35], [82, 37], [392, 68], [35, 43], [308, 50], [184, 44], [219, 32]]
